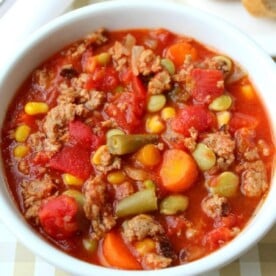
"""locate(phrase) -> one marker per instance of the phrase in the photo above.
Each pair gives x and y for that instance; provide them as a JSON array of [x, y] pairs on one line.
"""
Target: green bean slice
[[124, 144], [156, 103], [114, 131], [138, 203], [174, 204], [225, 184], [204, 157]]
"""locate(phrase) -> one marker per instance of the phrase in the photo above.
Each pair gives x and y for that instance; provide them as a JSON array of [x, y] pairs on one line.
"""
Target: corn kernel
[[167, 113], [154, 124], [116, 177], [20, 151], [96, 158], [21, 133], [248, 92], [71, 180], [103, 58], [223, 118], [145, 246], [34, 108]]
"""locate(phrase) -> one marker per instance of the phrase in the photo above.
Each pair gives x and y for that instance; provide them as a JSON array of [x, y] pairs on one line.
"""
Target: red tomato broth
[[131, 121]]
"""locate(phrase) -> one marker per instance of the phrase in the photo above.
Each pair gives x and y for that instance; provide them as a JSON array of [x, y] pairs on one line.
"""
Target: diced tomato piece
[[240, 120], [195, 116], [206, 84], [74, 160], [217, 237], [104, 79], [58, 217], [26, 119], [127, 110], [138, 88], [81, 134], [126, 76]]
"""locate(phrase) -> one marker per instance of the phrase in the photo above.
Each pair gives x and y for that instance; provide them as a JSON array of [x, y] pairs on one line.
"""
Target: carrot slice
[[117, 254], [178, 51], [178, 171]]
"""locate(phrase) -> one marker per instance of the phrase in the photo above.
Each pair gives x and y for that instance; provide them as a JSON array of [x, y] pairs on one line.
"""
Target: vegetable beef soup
[[137, 149]]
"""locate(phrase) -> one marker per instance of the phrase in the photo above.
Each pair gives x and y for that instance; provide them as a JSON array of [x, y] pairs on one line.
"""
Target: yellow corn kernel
[[96, 158], [247, 91], [154, 124], [21, 133], [20, 151], [116, 177], [71, 180], [167, 113], [145, 246], [223, 118], [34, 108], [103, 58]]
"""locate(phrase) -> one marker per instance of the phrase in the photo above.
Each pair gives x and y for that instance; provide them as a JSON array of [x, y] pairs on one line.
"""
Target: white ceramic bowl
[[127, 15]]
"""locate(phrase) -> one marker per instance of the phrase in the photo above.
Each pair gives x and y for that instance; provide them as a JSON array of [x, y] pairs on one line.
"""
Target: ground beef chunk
[[108, 162], [96, 38], [173, 138], [56, 124], [223, 146], [42, 78], [96, 208], [123, 190], [24, 167], [95, 99], [91, 100], [140, 227], [179, 94], [148, 63], [160, 83], [155, 261], [93, 40], [34, 192], [245, 143], [217, 64], [264, 148], [215, 206], [143, 226], [121, 52], [253, 179], [36, 141]]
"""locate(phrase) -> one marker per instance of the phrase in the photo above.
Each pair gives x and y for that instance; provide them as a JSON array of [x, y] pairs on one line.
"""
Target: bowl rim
[[45, 250]]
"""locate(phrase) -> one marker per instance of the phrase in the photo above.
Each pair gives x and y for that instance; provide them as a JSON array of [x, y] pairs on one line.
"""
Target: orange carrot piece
[[178, 51], [178, 171], [117, 254]]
